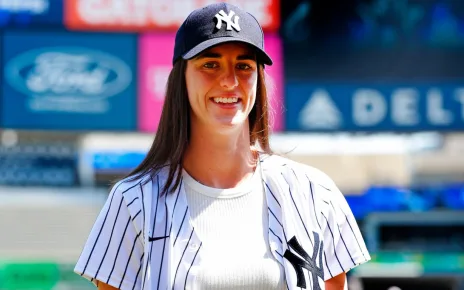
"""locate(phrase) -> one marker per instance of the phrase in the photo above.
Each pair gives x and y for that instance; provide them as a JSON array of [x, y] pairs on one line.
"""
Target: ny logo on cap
[[222, 16]]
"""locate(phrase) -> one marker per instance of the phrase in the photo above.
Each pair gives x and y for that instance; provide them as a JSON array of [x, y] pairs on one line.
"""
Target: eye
[[243, 66], [210, 65]]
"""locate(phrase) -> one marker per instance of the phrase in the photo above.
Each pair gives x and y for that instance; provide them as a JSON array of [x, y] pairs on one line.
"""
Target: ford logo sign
[[68, 74]]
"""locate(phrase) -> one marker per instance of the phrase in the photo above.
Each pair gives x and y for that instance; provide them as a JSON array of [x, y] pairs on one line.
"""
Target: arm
[[114, 249], [344, 246], [103, 286], [337, 283]]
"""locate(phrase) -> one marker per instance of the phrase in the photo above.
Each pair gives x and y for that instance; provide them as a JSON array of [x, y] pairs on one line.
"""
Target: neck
[[220, 160]]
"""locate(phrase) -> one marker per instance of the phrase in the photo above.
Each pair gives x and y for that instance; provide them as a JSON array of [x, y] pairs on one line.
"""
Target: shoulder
[[132, 187], [130, 184], [303, 172]]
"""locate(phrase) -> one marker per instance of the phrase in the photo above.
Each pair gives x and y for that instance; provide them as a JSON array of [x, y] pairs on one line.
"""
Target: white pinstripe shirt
[[142, 240]]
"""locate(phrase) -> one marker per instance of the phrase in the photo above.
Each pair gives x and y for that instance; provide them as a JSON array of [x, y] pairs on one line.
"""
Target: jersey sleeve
[[113, 252], [344, 246]]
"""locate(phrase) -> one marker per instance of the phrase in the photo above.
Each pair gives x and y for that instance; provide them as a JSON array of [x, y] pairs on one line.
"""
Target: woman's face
[[221, 85]]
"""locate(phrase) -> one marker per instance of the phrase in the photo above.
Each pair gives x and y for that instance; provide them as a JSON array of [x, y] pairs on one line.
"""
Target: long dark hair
[[173, 134]]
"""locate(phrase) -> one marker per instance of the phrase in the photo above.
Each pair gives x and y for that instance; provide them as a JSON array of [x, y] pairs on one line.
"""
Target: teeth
[[226, 100]]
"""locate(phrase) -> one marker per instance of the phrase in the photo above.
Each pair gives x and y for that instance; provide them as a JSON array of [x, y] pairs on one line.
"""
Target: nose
[[229, 79]]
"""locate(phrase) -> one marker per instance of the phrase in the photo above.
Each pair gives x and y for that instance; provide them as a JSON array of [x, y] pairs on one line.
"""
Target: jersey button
[[273, 246], [194, 246]]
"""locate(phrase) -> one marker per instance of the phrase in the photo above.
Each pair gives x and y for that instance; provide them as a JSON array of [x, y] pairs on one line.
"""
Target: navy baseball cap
[[215, 24]]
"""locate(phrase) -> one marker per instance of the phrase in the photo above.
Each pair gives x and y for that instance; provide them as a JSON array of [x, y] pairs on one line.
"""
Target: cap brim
[[215, 41]]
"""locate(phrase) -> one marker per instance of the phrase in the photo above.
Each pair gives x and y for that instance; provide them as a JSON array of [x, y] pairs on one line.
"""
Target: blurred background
[[369, 91]]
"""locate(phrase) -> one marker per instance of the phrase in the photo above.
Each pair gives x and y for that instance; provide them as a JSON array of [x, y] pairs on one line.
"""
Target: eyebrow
[[218, 55]]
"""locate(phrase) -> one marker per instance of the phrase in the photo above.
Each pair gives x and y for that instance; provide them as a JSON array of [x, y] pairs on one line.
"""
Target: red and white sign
[[154, 15]]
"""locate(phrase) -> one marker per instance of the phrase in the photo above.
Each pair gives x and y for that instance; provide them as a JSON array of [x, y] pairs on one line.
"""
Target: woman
[[211, 207]]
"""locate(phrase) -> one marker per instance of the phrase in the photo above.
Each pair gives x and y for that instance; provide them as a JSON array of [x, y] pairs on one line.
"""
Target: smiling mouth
[[231, 100]]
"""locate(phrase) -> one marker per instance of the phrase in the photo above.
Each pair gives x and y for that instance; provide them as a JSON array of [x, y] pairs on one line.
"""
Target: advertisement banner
[[32, 275], [155, 56], [381, 107], [153, 72], [154, 15], [41, 164], [69, 81], [353, 40], [31, 12]]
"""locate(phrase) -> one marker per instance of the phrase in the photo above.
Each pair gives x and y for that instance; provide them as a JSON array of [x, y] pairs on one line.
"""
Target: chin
[[231, 125]]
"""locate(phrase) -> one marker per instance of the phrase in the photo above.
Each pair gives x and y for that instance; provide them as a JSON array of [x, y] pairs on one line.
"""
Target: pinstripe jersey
[[144, 240]]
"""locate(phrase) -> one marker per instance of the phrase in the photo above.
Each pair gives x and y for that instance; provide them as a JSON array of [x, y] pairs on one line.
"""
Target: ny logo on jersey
[[308, 263], [223, 17]]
